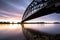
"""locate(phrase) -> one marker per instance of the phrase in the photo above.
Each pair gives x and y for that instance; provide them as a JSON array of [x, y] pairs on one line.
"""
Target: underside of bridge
[[45, 7]]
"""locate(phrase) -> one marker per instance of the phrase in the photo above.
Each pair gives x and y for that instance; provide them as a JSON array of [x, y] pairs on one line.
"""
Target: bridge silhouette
[[39, 8]]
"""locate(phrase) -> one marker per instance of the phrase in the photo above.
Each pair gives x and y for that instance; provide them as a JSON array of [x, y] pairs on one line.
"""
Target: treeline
[[4, 22], [10, 23], [41, 23], [29, 23]]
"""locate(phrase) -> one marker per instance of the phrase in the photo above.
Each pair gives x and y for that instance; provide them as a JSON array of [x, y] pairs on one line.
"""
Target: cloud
[[14, 9], [18, 7], [9, 15]]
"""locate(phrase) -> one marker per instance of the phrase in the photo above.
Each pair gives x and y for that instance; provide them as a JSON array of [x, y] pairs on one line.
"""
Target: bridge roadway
[[48, 9]]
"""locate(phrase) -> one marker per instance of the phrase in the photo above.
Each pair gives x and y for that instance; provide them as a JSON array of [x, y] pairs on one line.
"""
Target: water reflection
[[9, 26], [48, 28], [11, 30], [42, 31]]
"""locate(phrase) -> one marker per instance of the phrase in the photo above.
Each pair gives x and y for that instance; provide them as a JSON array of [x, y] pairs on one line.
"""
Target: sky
[[54, 17], [13, 10]]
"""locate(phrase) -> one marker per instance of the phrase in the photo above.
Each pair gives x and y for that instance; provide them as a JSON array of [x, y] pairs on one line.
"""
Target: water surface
[[48, 28], [11, 32], [14, 31]]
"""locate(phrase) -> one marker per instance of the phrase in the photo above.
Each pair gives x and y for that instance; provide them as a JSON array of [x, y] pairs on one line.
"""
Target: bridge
[[39, 8]]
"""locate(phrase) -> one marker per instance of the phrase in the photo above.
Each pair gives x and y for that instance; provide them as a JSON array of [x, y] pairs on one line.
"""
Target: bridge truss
[[38, 5]]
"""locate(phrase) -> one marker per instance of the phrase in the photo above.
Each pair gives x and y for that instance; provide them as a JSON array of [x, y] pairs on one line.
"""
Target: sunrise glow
[[11, 20], [15, 21]]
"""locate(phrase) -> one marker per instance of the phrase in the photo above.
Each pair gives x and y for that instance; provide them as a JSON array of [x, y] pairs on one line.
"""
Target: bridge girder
[[38, 5], [35, 4]]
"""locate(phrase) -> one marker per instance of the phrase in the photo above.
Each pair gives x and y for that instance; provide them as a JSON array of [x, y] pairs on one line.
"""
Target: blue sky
[[51, 18], [14, 9]]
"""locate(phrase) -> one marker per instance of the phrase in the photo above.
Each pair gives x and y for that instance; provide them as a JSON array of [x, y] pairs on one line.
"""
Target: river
[[11, 32], [14, 31]]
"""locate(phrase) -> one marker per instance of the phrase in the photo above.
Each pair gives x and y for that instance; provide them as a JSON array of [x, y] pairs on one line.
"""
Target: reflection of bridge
[[39, 8]]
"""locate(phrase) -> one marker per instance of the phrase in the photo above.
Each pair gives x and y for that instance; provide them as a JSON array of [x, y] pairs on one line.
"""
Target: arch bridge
[[39, 8]]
